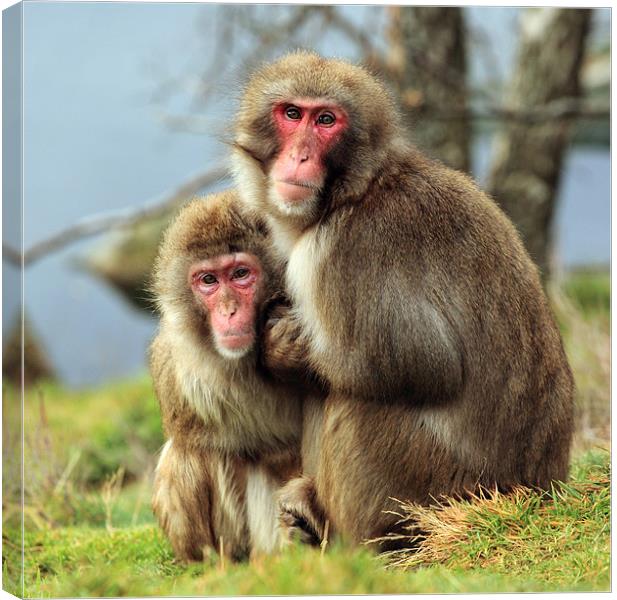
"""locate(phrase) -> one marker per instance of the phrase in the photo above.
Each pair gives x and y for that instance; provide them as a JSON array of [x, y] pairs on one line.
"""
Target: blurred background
[[127, 113]]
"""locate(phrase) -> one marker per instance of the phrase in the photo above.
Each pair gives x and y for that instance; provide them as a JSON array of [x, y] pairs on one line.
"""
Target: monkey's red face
[[307, 130], [228, 286]]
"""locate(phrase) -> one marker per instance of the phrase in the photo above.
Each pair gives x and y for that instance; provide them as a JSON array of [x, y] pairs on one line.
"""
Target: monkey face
[[307, 130], [311, 133], [228, 288]]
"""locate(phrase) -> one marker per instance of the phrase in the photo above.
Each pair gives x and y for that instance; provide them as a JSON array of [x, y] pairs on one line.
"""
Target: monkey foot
[[298, 527]]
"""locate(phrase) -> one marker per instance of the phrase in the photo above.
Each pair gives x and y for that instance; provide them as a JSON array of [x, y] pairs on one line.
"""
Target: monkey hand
[[283, 347], [300, 517]]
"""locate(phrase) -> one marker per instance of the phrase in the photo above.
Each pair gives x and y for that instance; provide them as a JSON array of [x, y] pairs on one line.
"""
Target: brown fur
[[415, 301], [233, 433]]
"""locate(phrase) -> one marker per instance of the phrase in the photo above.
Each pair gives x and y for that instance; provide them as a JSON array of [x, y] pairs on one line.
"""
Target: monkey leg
[[371, 455], [181, 501], [199, 504]]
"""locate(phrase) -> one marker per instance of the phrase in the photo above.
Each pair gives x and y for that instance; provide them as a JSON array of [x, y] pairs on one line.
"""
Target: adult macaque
[[233, 433], [413, 299]]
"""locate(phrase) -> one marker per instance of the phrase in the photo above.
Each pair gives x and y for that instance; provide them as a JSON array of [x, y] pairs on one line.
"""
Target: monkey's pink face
[[307, 130], [228, 286]]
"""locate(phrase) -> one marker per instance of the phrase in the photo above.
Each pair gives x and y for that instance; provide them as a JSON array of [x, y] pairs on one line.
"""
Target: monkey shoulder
[[162, 369], [184, 387], [216, 404], [417, 214], [423, 246], [175, 415]]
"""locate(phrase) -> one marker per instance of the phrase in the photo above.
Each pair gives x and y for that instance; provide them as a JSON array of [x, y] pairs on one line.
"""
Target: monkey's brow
[[217, 247]]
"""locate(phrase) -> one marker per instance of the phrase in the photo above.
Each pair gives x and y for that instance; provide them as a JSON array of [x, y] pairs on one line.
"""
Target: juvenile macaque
[[233, 433], [413, 300]]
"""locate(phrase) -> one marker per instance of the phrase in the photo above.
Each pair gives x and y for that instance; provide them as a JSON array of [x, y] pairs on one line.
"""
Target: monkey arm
[[182, 500], [164, 380], [416, 358], [176, 417], [414, 351], [191, 478], [383, 324], [181, 494], [284, 346]]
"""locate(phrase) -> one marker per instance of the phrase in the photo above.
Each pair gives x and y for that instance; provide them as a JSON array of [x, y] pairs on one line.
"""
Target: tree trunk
[[428, 66], [528, 156], [36, 364]]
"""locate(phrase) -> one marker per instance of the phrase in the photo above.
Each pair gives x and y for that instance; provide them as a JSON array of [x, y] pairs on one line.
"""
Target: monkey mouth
[[304, 184], [235, 340], [293, 191]]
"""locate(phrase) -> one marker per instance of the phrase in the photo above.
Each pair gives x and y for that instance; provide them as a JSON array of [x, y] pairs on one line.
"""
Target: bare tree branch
[[269, 36], [100, 223], [224, 33], [493, 82], [526, 169], [12, 255], [269, 39], [333, 17], [232, 26], [188, 123], [564, 108]]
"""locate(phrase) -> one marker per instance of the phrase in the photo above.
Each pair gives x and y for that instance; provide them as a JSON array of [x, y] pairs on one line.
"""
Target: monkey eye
[[327, 119], [240, 273], [293, 113], [208, 278]]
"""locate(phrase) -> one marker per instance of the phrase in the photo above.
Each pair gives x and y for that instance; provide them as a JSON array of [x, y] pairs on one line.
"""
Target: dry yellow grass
[[520, 530]]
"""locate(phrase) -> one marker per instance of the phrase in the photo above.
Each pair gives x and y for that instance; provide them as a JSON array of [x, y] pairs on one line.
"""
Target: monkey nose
[[228, 310], [300, 156]]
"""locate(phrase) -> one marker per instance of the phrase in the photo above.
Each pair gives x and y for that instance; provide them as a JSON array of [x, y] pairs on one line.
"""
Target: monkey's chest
[[241, 420], [304, 283]]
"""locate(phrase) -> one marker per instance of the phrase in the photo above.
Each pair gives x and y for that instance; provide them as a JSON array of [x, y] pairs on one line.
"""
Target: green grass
[[523, 543], [110, 427], [89, 456], [561, 536], [582, 306], [589, 290]]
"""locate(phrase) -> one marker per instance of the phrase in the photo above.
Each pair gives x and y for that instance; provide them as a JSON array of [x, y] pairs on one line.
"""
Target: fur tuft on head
[[304, 74]]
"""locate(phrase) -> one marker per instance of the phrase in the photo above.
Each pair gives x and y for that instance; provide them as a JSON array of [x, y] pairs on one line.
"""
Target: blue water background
[[94, 142]]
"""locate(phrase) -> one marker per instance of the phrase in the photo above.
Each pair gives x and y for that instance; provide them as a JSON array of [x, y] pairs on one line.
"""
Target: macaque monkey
[[233, 432], [413, 299]]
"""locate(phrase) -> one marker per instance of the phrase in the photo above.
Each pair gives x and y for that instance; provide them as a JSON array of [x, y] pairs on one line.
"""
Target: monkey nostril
[[299, 156], [228, 311]]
